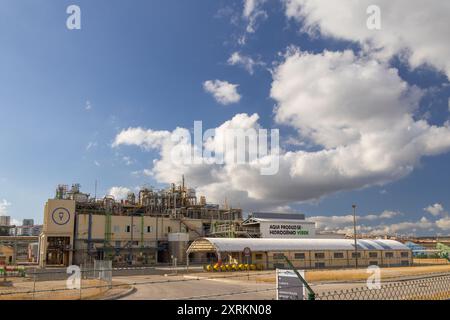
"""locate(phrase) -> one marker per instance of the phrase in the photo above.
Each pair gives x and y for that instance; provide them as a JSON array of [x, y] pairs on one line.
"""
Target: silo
[[178, 244]]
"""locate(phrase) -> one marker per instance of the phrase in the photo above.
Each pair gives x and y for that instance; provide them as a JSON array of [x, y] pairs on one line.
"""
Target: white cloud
[[96, 163], [4, 205], [389, 214], [119, 193], [362, 115], [333, 223], [357, 112], [416, 29], [248, 63], [88, 106], [252, 13], [374, 224], [147, 139], [403, 227], [444, 223], [435, 209], [224, 92], [448, 104]]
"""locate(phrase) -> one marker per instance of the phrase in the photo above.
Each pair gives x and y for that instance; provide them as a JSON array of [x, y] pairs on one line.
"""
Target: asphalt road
[[207, 286], [191, 288]]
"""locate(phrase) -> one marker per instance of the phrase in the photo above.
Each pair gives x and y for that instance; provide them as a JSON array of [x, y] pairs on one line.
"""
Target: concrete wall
[[153, 228]]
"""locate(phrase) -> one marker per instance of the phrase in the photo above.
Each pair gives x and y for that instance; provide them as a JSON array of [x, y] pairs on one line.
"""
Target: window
[[258, 256], [405, 263], [320, 265], [278, 256], [299, 256], [373, 254], [389, 254], [128, 229], [373, 263], [319, 255], [338, 255], [169, 229], [354, 255], [278, 265], [405, 254], [149, 229], [116, 229], [117, 244]]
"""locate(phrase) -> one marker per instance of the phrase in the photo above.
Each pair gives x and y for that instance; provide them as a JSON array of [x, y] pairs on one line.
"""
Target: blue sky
[[143, 64]]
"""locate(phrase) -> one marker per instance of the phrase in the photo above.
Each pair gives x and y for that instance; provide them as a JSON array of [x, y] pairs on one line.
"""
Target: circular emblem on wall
[[61, 216]]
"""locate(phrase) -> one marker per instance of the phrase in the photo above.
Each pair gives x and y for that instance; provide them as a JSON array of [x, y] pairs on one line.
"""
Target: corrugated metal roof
[[239, 244]]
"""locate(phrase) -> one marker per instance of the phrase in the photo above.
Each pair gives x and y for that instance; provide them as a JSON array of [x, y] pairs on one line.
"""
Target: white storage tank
[[178, 244]]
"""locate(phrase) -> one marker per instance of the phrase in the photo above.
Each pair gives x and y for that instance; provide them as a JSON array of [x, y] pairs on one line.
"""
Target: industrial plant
[[148, 227]]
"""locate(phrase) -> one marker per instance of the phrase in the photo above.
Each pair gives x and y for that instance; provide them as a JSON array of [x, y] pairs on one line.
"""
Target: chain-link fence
[[426, 288], [96, 281]]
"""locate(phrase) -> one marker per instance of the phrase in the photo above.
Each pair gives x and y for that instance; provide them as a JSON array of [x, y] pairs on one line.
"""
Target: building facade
[[5, 221], [280, 225], [303, 253]]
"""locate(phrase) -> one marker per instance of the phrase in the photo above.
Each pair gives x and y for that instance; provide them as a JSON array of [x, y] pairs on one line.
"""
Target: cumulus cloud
[[224, 92], [356, 111], [435, 209], [375, 225], [333, 223], [147, 139], [248, 63], [444, 223], [380, 225], [119, 193], [402, 228], [416, 29]]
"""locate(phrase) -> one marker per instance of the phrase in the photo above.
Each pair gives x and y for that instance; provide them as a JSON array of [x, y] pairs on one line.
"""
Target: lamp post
[[354, 235]]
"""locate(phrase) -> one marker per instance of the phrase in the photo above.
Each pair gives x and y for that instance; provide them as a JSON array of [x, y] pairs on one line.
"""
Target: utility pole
[[354, 235], [131, 244]]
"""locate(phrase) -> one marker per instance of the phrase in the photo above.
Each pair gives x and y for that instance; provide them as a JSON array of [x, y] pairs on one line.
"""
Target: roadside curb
[[120, 295]]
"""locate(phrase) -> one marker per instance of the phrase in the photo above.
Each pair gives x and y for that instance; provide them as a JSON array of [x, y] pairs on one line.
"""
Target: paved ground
[[185, 287], [211, 286]]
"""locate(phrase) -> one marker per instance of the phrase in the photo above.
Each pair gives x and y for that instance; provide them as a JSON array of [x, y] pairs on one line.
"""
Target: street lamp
[[354, 235]]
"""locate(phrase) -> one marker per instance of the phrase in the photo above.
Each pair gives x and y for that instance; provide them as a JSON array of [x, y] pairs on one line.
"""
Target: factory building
[[147, 228], [303, 253], [266, 225], [280, 225]]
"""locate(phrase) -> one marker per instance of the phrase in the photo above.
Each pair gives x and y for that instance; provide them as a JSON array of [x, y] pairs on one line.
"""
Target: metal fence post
[[311, 293], [81, 280], [34, 282]]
